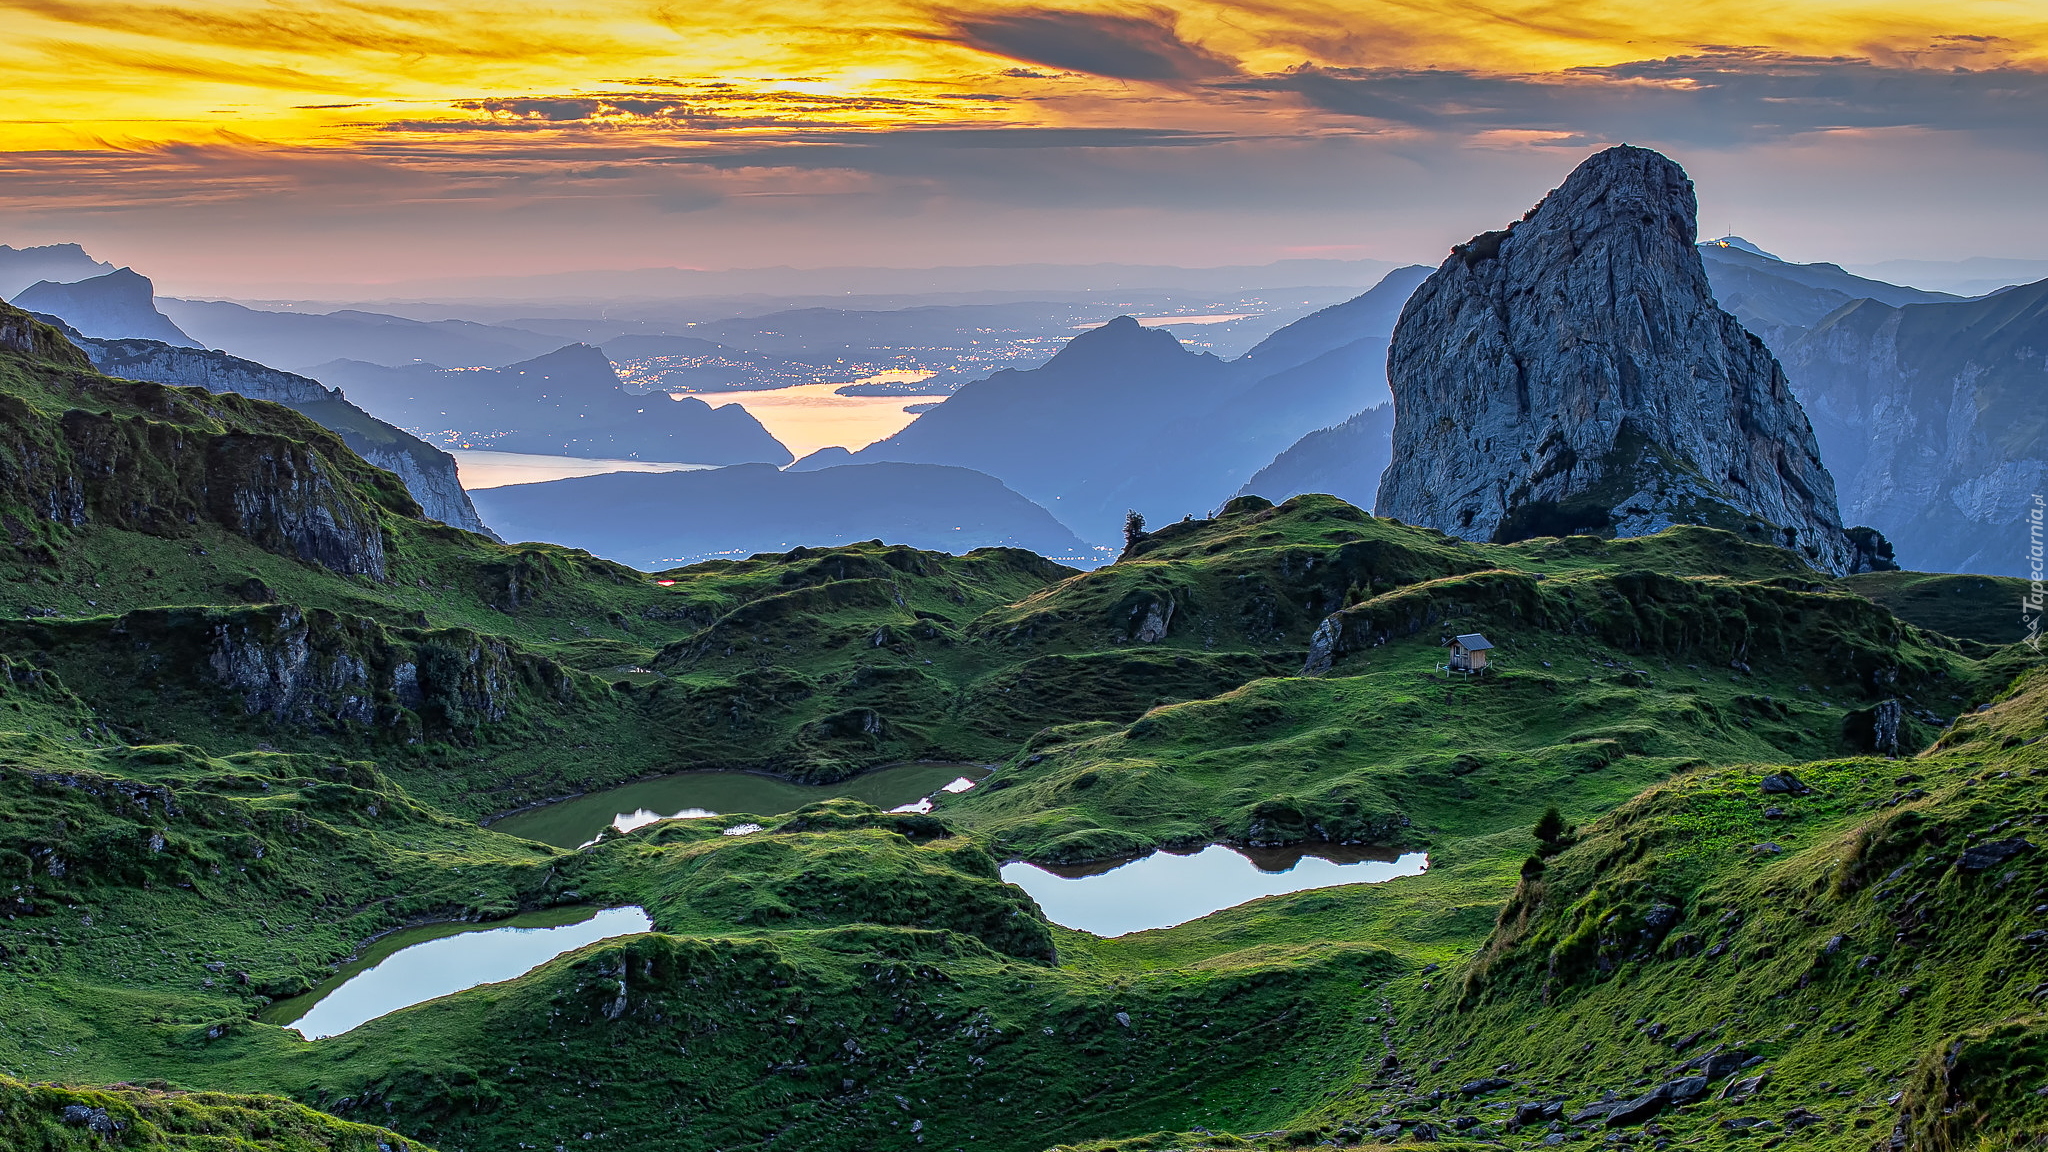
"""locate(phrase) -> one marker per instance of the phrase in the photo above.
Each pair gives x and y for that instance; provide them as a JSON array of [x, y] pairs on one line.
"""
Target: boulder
[[1992, 853], [1641, 1108]]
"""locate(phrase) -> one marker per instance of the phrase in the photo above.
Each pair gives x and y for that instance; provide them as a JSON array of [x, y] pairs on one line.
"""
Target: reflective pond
[[419, 964], [575, 822], [1161, 890]]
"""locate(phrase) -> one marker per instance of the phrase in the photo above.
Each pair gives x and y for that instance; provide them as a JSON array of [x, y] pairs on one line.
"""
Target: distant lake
[[1162, 890], [479, 469], [808, 417]]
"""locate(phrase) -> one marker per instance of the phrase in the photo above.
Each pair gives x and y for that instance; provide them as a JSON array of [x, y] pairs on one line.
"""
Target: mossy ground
[[54, 1118], [181, 848]]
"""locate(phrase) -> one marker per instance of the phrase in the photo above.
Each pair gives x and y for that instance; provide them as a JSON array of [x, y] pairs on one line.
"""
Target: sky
[[235, 146]]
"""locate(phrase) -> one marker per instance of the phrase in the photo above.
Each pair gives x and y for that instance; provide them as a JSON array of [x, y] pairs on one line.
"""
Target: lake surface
[[419, 964], [479, 469], [576, 822], [1161, 890], [807, 417]]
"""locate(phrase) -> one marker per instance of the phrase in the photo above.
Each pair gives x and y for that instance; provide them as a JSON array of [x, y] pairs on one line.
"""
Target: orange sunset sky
[[230, 145]]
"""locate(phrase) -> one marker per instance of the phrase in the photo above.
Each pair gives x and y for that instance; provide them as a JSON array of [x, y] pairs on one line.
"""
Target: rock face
[[428, 472], [1572, 374], [322, 669], [144, 457], [1935, 417]]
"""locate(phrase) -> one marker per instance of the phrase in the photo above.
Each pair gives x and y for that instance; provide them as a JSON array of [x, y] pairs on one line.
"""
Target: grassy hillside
[[54, 1118], [251, 707]]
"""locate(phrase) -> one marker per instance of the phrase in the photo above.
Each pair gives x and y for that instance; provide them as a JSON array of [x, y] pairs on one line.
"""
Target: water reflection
[[420, 964], [1114, 897], [576, 822]]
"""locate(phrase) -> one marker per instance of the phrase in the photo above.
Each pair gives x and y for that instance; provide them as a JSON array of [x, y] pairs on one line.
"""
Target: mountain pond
[[577, 821], [1108, 898], [1163, 889], [414, 965]]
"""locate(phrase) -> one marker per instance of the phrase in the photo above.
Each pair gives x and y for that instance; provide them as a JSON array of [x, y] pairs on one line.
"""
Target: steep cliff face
[[320, 669], [1936, 420], [1572, 374], [428, 472], [78, 448]]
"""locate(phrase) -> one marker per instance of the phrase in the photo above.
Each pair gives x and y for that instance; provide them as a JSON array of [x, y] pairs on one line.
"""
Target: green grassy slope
[[242, 737], [1982, 608], [55, 1118], [1814, 955]]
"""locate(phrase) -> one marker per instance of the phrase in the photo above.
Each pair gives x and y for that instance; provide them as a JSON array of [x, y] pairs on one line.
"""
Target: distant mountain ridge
[[120, 304], [1774, 297], [1124, 417], [1344, 460], [655, 520], [1935, 419], [300, 340], [57, 263], [568, 402], [633, 283]]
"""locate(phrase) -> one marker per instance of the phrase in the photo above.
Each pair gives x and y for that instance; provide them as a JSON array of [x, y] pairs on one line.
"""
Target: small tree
[[1134, 530], [1550, 829]]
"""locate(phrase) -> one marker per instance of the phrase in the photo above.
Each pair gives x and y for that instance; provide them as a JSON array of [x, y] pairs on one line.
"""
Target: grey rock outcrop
[[1573, 374], [321, 669], [429, 473]]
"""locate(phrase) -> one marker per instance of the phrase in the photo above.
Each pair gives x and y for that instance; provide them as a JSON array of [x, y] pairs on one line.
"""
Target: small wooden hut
[[1468, 652]]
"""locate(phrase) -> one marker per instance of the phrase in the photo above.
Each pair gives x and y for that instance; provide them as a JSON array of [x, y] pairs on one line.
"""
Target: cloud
[[327, 28], [686, 108], [1720, 96], [1143, 46]]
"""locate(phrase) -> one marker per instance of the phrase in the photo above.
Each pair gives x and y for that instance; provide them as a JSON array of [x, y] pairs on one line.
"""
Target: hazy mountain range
[[1125, 416], [57, 263], [654, 520], [567, 403], [687, 283], [1934, 420], [1162, 429]]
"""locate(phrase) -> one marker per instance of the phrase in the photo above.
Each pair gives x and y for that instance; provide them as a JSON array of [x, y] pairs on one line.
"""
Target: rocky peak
[[582, 364], [120, 304], [1121, 341], [1572, 374]]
